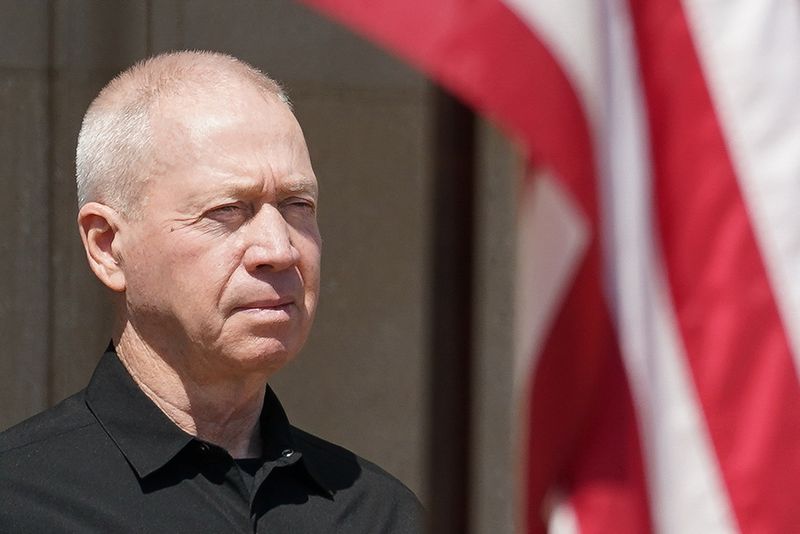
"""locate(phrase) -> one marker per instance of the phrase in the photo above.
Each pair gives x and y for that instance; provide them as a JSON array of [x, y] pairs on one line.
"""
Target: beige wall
[[362, 379]]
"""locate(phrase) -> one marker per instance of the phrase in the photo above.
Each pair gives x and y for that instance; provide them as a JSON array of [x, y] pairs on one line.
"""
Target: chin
[[265, 354]]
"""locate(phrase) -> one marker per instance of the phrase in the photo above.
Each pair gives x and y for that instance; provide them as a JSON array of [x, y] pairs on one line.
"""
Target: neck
[[224, 411]]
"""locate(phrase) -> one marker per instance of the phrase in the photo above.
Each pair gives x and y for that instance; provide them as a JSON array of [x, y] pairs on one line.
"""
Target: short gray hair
[[115, 145]]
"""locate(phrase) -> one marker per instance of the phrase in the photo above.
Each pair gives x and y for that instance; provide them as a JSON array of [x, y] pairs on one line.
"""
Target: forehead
[[198, 114], [237, 135]]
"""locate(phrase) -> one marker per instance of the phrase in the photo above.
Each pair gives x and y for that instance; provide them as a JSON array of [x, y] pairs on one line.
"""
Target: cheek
[[182, 277], [310, 254], [202, 276], [146, 273], [311, 280]]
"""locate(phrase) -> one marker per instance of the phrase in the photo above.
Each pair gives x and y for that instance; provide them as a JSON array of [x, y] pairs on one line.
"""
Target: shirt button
[[203, 447], [287, 453]]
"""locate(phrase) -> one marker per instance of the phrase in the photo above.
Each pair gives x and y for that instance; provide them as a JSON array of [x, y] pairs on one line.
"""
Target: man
[[197, 209]]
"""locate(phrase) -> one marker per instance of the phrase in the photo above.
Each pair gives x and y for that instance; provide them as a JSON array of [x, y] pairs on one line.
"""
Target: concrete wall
[[362, 379]]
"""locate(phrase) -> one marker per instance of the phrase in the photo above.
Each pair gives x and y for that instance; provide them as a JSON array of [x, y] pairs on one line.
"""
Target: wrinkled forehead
[[197, 111], [199, 118], [230, 136]]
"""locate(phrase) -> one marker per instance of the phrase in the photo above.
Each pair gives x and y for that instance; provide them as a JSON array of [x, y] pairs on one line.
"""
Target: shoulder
[[336, 461], [373, 488], [46, 428]]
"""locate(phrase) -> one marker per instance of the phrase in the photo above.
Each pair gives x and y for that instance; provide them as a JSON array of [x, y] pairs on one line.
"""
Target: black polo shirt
[[108, 460]]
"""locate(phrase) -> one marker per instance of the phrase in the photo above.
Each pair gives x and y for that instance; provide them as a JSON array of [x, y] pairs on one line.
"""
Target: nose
[[269, 242]]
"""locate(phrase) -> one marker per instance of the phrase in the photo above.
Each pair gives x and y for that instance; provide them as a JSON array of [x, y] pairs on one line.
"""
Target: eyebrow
[[236, 186], [300, 184]]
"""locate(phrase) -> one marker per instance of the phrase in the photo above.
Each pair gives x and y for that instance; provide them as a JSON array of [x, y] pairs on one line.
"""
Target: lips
[[266, 304]]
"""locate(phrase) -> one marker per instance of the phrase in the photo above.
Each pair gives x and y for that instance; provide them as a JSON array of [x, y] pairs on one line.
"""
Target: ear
[[99, 226]]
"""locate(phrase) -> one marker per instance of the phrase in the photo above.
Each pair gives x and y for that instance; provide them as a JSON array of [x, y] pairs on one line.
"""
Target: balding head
[[115, 146]]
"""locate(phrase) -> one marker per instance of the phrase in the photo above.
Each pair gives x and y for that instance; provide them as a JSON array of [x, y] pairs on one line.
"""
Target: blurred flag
[[659, 254]]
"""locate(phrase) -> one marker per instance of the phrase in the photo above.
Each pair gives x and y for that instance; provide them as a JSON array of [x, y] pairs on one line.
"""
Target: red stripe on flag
[[730, 324], [582, 423], [483, 53], [583, 427]]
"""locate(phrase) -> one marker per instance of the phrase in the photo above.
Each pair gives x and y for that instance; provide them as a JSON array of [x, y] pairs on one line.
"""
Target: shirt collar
[[143, 433], [149, 439]]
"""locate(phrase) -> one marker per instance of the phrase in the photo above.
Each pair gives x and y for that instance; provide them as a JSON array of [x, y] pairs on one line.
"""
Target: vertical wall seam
[[179, 25], [451, 314], [148, 28], [50, 200]]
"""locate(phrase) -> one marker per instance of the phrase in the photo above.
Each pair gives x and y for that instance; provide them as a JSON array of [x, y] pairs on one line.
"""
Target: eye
[[299, 203], [226, 209], [227, 213]]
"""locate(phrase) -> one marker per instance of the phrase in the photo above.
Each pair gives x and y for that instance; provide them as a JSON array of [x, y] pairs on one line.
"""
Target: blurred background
[[364, 379]]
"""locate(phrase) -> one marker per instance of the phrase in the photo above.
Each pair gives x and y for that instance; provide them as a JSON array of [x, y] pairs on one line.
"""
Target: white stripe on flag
[[563, 519], [549, 249], [750, 51], [686, 490]]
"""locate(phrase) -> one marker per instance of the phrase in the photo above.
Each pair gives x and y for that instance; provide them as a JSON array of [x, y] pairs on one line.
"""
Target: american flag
[[659, 255]]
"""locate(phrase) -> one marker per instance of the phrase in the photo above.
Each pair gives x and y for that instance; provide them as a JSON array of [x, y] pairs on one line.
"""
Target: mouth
[[280, 305]]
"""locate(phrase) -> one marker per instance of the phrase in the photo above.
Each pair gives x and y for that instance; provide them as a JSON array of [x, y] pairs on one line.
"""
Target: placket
[[288, 457]]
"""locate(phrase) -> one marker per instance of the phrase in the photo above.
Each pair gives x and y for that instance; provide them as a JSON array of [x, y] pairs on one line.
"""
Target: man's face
[[222, 267]]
